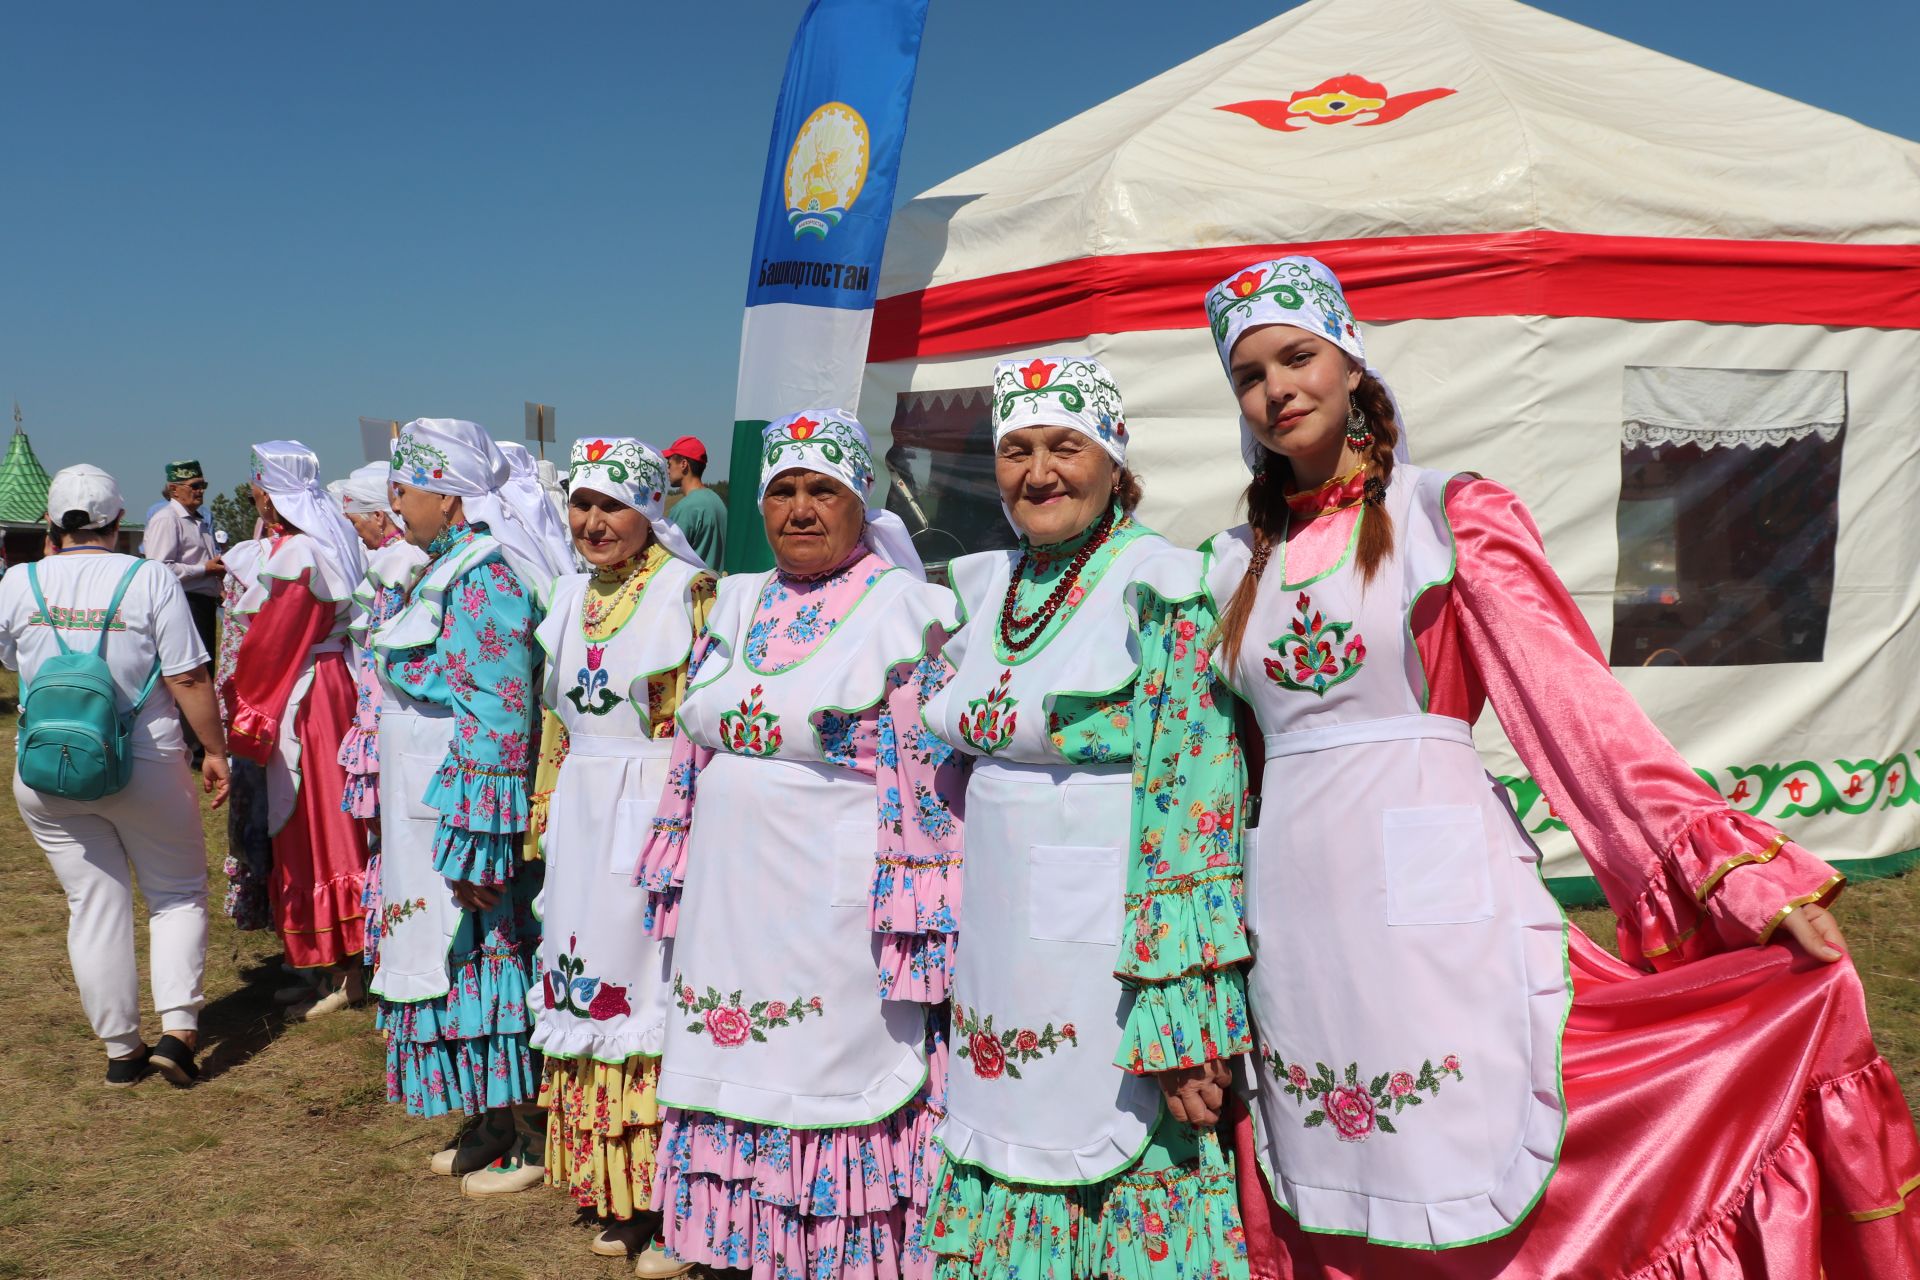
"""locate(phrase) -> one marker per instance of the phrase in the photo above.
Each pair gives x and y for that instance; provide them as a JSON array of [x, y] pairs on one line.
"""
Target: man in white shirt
[[151, 827], [180, 536]]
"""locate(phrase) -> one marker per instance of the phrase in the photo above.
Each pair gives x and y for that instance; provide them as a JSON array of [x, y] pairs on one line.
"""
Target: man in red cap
[[700, 514]]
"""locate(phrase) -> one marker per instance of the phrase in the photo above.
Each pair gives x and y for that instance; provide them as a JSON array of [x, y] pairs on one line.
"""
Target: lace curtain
[[1723, 408]]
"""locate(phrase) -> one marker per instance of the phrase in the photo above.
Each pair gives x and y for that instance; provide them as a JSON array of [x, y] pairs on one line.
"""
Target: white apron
[[418, 914], [1033, 1095], [1409, 984], [775, 1017], [603, 980]]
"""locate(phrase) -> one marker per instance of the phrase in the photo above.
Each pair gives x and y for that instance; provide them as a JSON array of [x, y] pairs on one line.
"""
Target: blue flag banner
[[825, 203], [828, 189]]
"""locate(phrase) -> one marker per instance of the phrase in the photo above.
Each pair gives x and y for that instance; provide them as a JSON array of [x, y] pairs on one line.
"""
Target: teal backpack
[[73, 742]]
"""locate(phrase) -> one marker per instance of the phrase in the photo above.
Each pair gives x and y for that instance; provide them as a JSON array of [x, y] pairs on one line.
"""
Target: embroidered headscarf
[[1060, 391], [628, 471], [447, 455], [831, 442], [290, 473], [529, 501], [1298, 291]]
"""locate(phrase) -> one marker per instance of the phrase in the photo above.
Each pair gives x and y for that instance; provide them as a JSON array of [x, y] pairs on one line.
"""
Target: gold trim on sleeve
[[1712, 882], [1907, 1188], [1651, 952], [1833, 882]]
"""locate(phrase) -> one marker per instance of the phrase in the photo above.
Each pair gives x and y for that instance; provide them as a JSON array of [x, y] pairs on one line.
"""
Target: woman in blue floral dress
[[456, 753]]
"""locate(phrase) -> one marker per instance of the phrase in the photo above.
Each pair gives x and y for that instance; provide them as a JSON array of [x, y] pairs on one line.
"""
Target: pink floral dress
[[828, 1201]]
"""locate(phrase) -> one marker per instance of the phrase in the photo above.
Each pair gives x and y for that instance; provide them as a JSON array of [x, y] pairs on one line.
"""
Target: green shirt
[[702, 516]]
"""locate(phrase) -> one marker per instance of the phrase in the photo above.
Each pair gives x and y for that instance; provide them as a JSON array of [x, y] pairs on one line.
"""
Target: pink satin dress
[[1728, 1116]]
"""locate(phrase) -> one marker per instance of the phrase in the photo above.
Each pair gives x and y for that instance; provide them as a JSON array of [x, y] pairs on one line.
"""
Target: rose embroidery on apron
[[992, 1053], [728, 1022], [1355, 1112]]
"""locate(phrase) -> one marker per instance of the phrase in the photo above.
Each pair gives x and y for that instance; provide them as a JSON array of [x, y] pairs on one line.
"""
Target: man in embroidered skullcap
[[180, 536]]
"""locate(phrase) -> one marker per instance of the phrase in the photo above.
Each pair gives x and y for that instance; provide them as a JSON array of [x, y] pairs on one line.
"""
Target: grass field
[[286, 1162]]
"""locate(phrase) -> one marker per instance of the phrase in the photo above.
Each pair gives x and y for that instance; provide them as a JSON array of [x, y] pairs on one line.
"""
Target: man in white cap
[[151, 827]]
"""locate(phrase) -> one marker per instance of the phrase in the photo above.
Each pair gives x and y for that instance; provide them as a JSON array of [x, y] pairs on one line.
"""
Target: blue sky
[[224, 222]]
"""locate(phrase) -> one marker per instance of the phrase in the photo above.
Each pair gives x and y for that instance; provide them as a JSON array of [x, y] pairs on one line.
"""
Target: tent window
[[1729, 512], [940, 465]]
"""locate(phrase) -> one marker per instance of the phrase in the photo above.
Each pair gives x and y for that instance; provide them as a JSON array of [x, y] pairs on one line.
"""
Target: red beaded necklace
[[1034, 625]]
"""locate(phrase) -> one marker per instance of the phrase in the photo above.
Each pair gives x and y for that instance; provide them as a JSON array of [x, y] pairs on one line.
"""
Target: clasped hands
[[1195, 1095]]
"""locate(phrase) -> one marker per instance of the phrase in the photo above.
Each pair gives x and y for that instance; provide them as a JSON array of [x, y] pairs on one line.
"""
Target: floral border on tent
[[1800, 789]]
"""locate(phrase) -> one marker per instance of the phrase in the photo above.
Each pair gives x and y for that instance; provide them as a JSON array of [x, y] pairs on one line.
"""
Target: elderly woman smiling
[[1098, 995], [807, 829]]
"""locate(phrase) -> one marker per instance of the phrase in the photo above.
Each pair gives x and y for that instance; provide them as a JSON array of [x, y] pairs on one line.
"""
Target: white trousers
[[150, 830]]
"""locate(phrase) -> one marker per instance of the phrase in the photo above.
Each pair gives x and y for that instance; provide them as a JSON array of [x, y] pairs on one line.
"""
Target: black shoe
[[123, 1073], [172, 1059]]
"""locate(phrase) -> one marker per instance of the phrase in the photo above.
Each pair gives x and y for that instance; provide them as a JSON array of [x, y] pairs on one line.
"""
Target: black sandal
[[172, 1059], [123, 1073]]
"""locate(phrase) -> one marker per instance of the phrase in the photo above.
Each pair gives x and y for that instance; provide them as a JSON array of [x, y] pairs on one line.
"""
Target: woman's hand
[[1195, 1095], [215, 777], [475, 897], [1817, 932]]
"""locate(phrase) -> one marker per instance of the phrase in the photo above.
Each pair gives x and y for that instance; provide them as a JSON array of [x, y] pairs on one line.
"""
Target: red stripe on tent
[[1520, 273]]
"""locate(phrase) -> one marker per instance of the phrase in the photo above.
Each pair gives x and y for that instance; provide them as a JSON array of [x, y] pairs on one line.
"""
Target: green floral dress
[[1171, 1214]]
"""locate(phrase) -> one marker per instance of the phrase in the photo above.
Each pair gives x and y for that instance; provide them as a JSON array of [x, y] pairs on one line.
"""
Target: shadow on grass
[[238, 1025]]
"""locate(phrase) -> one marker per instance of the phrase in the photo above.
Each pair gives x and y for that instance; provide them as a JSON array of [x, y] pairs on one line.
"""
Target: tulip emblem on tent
[[1345, 99]]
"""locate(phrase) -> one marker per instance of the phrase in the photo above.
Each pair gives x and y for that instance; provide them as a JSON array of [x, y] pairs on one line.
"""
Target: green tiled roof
[[23, 483]]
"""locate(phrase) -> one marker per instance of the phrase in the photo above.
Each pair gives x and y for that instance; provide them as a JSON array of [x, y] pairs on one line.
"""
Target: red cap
[[686, 447]]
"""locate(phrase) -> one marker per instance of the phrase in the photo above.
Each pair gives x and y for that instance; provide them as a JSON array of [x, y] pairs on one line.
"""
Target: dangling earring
[[1359, 430]]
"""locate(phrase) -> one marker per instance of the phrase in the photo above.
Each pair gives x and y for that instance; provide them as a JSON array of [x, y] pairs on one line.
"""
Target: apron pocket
[[1074, 893], [853, 863], [1437, 865], [416, 775], [632, 821]]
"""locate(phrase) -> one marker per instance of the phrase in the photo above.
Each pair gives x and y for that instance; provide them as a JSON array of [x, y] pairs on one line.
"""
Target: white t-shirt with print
[[153, 618]]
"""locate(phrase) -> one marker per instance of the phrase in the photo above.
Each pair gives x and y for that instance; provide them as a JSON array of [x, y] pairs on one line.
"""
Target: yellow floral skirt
[[602, 1122]]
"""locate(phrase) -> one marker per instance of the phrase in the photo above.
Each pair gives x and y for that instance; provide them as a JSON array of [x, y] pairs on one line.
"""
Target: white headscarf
[[831, 442], [529, 500], [366, 490], [290, 473], [623, 468], [447, 455], [1298, 291], [1061, 391]]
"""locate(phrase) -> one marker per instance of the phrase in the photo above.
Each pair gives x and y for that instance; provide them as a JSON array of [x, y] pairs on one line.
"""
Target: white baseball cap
[[86, 489]]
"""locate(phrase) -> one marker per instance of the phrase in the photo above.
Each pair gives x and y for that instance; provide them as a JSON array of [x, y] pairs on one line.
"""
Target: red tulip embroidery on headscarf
[[1341, 100]]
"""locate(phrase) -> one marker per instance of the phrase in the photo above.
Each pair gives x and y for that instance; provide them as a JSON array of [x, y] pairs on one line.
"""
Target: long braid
[[1376, 529], [1266, 512]]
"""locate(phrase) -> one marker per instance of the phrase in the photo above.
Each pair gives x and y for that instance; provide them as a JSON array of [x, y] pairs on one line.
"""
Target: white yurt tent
[[1679, 315]]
